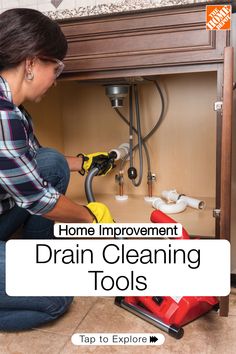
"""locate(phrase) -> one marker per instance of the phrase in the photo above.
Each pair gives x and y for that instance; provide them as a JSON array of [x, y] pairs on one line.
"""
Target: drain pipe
[[169, 208], [173, 196], [121, 151]]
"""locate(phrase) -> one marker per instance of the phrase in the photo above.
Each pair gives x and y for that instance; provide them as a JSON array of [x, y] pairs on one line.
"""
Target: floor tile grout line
[[63, 346], [86, 314], [51, 332]]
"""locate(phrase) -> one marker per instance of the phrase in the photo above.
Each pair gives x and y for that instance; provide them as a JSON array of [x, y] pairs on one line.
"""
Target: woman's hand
[[84, 163]]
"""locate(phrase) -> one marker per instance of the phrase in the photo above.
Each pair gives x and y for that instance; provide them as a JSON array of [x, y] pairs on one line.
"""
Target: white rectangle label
[[117, 267], [118, 339], [119, 230]]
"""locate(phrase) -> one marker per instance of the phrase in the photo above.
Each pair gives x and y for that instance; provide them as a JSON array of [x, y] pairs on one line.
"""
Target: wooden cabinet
[[142, 43], [157, 42]]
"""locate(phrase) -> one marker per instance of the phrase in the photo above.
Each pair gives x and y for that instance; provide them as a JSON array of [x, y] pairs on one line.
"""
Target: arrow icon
[[153, 339]]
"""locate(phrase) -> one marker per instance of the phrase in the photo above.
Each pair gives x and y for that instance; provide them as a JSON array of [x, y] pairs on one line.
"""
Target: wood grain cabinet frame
[[157, 42], [141, 43]]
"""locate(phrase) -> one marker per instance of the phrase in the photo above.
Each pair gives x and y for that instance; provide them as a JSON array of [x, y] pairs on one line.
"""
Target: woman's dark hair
[[27, 33]]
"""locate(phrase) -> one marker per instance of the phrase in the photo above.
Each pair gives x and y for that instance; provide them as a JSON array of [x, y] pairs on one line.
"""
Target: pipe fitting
[[173, 196], [169, 208], [170, 196], [121, 151]]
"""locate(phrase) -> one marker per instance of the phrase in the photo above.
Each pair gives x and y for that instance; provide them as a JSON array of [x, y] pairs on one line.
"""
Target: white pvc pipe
[[172, 208], [170, 196], [121, 151], [193, 203], [173, 196]]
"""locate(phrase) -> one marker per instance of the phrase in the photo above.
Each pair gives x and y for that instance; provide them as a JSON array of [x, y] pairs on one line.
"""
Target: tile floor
[[206, 335]]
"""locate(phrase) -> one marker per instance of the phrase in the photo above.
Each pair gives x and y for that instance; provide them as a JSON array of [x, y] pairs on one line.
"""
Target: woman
[[33, 179]]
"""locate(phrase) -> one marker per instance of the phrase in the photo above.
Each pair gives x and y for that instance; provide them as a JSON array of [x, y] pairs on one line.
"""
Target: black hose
[[161, 117], [94, 172], [88, 184], [136, 184], [143, 142], [152, 131], [131, 125]]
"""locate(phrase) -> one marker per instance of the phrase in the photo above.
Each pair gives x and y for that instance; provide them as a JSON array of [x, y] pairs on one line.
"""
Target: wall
[[74, 8], [47, 119]]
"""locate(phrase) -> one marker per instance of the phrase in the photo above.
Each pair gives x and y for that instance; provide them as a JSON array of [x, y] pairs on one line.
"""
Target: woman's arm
[[75, 163], [65, 210]]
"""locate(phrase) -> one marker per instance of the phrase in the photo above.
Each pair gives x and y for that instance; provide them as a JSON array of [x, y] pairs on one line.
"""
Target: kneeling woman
[[33, 179]]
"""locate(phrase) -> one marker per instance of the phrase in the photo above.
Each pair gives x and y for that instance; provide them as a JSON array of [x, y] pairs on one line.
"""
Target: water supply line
[[121, 152], [150, 177], [120, 180]]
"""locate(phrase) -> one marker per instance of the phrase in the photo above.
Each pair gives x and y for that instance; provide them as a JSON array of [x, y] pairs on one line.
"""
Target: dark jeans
[[53, 168], [20, 313]]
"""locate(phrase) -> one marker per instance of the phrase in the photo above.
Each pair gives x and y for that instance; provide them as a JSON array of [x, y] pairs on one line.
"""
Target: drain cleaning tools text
[[117, 267], [118, 254]]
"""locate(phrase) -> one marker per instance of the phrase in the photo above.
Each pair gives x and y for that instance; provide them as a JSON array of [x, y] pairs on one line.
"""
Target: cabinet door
[[139, 43], [226, 157], [226, 144]]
